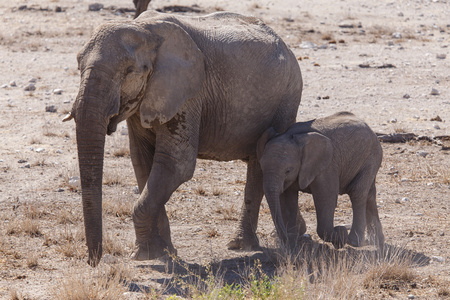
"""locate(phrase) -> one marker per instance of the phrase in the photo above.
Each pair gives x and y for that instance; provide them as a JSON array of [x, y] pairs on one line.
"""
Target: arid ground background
[[386, 61]]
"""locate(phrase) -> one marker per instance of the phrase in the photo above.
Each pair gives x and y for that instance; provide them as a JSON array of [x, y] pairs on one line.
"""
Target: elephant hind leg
[[374, 228]]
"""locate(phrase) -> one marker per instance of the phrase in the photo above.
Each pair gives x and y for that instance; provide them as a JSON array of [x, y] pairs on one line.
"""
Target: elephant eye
[[129, 70]]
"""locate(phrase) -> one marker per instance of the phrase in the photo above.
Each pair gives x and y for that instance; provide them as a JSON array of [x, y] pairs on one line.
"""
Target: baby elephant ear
[[265, 137], [316, 155], [178, 74]]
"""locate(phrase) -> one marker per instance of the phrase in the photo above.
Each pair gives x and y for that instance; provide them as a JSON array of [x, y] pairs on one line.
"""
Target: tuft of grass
[[112, 178], [229, 213], [217, 192], [118, 207], [121, 152], [113, 246], [32, 261], [201, 191]]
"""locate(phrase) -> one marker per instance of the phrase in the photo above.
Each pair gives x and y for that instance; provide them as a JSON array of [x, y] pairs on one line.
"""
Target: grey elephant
[[338, 154], [141, 6], [188, 87]]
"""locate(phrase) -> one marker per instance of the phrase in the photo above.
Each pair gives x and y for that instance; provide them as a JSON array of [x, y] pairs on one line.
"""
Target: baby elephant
[[338, 154]]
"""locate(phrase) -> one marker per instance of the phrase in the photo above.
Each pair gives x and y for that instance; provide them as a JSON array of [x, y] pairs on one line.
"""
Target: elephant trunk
[[91, 127], [273, 193]]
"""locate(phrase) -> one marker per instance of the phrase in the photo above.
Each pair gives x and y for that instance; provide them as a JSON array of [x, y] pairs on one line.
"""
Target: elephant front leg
[[325, 194], [295, 224], [245, 237]]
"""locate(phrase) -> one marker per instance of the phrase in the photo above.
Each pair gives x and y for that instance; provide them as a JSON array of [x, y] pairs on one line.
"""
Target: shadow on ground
[[178, 276]]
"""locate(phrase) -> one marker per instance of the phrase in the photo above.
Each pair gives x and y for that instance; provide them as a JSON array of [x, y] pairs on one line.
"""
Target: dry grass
[[121, 152], [113, 245], [229, 213], [118, 206], [24, 225], [32, 260], [112, 177], [201, 191], [104, 282]]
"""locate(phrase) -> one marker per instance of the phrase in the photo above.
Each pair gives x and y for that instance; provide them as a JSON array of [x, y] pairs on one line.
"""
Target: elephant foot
[[153, 249], [355, 240], [339, 237], [239, 243]]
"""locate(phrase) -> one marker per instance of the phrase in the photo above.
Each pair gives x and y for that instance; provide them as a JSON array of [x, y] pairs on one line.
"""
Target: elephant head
[[287, 159], [146, 68]]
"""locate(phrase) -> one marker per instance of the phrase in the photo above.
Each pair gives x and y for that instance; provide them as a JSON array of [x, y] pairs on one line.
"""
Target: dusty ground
[[380, 60]]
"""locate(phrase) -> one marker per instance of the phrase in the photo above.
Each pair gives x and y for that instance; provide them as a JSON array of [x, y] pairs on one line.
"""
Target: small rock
[[438, 258], [390, 43], [59, 151], [406, 96], [419, 214], [51, 108], [60, 190], [404, 179], [441, 56], [124, 130], [404, 199], [436, 126], [32, 80], [95, 6], [307, 45], [416, 117], [30, 87], [198, 229], [21, 161], [398, 201], [400, 14], [397, 35], [27, 165], [57, 91], [422, 153], [434, 92], [442, 234], [39, 150], [411, 297], [58, 9], [74, 182], [393, 120], [136, 190], [13, 83], [346, 25]]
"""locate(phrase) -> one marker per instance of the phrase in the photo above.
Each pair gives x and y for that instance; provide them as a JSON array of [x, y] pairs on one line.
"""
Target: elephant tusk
[[68, 117]]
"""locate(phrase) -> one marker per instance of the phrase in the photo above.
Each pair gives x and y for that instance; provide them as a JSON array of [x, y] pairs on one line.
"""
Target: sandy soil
[[386, 61]]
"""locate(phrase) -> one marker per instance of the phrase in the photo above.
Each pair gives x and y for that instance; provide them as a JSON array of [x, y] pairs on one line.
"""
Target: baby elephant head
[[292, 157]]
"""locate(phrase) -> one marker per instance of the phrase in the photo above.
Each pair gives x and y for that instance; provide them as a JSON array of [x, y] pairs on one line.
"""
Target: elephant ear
[[178, 74], [265, 137], [316, 156]]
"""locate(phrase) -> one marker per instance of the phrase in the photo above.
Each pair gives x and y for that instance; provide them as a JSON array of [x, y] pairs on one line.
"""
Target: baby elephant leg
[[356, 237], [325, 199], [374, 229]]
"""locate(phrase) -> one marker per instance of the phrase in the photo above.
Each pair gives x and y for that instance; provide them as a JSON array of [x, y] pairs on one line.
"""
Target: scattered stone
[[346, 25], [441, 56], [57, 91], [404, 199], [124, 130], [95, 7], [419, 214], [136, 190], [442, 234], [422, 153], [39, 150], [13, 84], [400, 14], [51, 108], [393, 120], [416, 117], [21, 161], [436, 126], [74, 182], [4, 86], [438, 259], [27, 165], [398, 201], [30, 87], [390, 43], [437, 119], [434, 92], [406, 96], [58, 9], [411, 296], [404, 179], [396, 137], [60, 190], [32, 80], [59, 151], [397, 35], [307, 45]]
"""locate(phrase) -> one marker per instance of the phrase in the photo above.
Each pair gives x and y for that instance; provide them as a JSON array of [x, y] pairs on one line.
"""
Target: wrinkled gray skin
[[325, 157], [188, 87], [141, 6]]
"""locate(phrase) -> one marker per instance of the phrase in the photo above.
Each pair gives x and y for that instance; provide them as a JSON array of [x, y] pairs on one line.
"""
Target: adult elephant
[[141, 6], [188, 87]]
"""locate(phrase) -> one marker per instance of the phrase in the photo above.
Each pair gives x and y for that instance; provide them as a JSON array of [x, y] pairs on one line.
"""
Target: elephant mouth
[[112, 126]]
